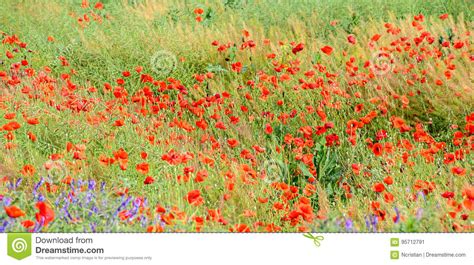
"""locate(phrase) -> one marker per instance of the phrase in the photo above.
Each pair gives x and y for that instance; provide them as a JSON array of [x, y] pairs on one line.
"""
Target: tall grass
[[130, 32]]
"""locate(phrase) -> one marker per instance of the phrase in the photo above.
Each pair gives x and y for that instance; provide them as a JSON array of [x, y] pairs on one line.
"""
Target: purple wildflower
[[367, 223], [374, 222], [93, 227], [18, 183], [37, 186], [38, 225], [349, 225], [123, 205], [397, 219], [91, 184], [88, 198], [7, 201], [422, 195], [419, 214], [3, 226]]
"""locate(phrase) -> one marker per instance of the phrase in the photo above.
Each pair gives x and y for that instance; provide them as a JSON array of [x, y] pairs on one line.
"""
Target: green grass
[[131, 32]]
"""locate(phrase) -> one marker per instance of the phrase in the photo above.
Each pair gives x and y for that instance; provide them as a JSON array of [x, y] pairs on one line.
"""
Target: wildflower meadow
[[236, 116]]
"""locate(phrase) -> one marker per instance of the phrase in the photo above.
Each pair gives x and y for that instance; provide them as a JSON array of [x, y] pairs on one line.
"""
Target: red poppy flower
[[327, 50], [449, 158], [28, 170], [332, 140], [388, 180], [378, 187], [299, 47], [268, 129], [468, 194], [11, 126], [458, 171], [121, 154], [45, 214], [198, 11], [351, 39], [458, 44], [443, 16], [237, 67], [380, 135], [99, 6], [448, 195], [232, 142], [278, 206], [202, 124], [194, 198], [32, 121], [9, 116], [468, 204], [148, 180], [388, 197], [241, 228], [201, 176], [143, 168], [377, 149], [13, 211], [376, 37], [124, 214], [27, 223], [220, 125], [119, 123]]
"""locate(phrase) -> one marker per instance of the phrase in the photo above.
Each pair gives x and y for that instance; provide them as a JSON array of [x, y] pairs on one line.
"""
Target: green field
[[241, 116]]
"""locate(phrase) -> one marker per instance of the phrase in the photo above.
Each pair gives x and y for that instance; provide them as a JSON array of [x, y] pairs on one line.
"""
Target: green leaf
[[304, 169], [215, 68]]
